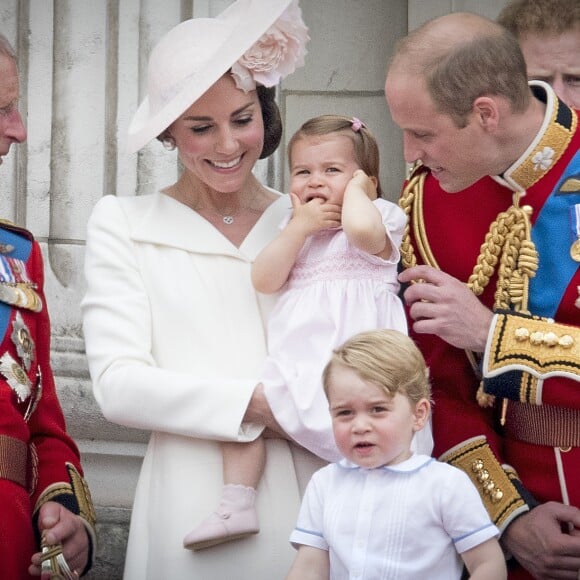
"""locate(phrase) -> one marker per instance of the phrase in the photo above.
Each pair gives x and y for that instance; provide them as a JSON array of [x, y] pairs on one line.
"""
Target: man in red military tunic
[[492, 257], [43, 496]]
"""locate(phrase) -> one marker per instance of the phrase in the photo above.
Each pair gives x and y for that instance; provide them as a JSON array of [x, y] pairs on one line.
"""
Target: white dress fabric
[[334, 291], [175, 339], [399, 522]]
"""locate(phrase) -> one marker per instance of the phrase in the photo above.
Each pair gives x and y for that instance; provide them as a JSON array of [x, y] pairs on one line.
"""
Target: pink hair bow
[[357, 124]]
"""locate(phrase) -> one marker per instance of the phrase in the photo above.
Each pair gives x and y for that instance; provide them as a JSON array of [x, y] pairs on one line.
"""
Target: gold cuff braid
[[77, 488], [499, 495], [83, 495]]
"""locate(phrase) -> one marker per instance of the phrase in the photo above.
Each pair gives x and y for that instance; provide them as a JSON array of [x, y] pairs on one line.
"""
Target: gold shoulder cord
[[411, 202], [507, 243]]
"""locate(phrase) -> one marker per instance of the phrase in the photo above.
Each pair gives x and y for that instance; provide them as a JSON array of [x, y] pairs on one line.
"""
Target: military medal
[[575, 250], [8, 294], [16, 288], [22, 341], [15, 377], [21, 295], [575, 247]]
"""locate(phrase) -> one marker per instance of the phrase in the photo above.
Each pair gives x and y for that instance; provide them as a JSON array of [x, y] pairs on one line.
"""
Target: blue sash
[[553, 237]]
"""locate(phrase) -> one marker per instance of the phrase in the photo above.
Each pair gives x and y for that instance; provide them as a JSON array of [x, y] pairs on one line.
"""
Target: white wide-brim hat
[[191, 57]]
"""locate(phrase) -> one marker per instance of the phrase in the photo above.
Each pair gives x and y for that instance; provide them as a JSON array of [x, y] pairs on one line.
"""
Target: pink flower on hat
[[278, 52]]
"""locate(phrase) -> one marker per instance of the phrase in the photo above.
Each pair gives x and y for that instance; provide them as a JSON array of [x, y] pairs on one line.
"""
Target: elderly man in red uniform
[[45, 501], [492, 255]]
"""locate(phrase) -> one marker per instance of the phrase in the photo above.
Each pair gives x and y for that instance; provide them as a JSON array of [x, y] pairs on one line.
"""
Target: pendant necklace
[[227, 218]]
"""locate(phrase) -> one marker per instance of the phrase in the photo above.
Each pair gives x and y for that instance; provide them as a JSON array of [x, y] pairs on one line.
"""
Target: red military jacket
[[532, 363], [39, 462]]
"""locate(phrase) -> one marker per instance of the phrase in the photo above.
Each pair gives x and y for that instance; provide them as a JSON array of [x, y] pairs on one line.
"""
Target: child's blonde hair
[[387, 358], [366, 149]]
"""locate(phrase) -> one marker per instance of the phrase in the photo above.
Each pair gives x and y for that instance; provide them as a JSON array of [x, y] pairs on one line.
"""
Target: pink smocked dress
[[334, 291]]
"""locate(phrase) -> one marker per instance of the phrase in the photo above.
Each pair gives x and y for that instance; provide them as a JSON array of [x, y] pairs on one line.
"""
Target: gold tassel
[[483, 398]]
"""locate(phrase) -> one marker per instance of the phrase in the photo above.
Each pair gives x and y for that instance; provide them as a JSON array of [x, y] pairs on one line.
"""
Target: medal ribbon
[[22, 248], [6, 273], [575, 219]]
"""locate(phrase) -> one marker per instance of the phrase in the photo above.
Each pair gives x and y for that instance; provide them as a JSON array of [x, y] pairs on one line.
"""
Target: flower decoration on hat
[[277, 53]]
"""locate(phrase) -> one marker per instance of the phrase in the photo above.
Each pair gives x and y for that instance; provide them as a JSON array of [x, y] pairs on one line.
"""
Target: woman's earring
[[168, 143]]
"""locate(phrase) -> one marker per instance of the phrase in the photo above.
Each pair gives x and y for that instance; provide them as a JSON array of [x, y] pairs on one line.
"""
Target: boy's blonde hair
[[366, 148], [387, 358]]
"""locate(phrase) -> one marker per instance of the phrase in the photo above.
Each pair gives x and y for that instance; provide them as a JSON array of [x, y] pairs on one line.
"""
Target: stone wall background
[[83, 74]]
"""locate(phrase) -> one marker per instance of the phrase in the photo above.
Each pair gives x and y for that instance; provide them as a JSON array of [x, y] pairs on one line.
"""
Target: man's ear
[[486, 111]]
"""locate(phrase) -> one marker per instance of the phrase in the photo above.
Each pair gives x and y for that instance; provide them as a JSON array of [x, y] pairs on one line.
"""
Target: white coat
[[175, 338]]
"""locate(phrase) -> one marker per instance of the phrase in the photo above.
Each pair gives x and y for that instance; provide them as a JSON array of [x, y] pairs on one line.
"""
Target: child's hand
[[315, 215], [362, 183]]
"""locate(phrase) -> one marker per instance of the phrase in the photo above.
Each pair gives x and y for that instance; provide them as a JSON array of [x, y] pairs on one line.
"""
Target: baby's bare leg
[[243, 463]]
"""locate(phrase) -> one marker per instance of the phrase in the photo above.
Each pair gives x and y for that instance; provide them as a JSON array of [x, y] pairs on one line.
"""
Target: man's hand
[[540, 542], [444, 306], [59, 525]]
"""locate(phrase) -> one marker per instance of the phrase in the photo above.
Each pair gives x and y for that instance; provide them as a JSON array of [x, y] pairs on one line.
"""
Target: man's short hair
[[482, 59], [552, 17]]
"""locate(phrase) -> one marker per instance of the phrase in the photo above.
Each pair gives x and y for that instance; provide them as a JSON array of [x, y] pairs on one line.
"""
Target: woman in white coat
[[174, 330]]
